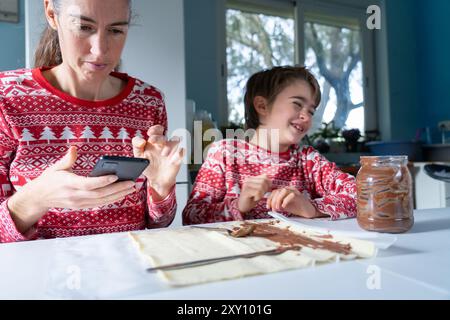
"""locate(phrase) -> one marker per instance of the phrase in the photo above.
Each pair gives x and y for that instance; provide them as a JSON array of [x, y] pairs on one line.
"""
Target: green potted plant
[[323, 138], [351, 137]]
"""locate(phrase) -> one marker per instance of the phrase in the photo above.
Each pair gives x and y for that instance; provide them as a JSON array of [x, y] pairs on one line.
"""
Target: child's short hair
[[269, 83]]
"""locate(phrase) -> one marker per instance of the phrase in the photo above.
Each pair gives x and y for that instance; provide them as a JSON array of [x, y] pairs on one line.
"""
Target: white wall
[[35, 23], [154, 53]]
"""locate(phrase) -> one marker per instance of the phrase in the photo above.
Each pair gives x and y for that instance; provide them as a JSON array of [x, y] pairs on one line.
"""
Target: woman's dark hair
[[48, 51], [269, 83]]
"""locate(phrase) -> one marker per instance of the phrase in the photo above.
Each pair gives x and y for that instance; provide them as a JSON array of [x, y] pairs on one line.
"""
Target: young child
[[242, 180]]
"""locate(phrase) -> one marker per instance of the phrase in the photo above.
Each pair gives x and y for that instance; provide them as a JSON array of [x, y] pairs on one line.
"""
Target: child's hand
[[289, 199], [253, 190]]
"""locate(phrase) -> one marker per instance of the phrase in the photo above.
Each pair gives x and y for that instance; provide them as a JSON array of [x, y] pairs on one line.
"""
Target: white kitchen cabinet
[[429, 193]]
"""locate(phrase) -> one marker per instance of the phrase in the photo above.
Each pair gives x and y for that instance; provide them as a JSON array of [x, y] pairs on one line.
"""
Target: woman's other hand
[[165, 158]]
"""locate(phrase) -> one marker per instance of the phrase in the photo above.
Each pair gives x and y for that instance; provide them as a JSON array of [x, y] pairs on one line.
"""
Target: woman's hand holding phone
[[165, 158], [59, 187]]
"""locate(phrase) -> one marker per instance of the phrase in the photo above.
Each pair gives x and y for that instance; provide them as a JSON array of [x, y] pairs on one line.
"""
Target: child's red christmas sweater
[[229, 163]]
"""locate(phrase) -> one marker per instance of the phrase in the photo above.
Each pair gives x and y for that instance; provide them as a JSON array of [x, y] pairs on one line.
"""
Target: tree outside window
[[332, 52]]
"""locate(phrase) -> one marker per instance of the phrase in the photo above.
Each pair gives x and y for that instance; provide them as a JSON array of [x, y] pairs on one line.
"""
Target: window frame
[[355, 9]]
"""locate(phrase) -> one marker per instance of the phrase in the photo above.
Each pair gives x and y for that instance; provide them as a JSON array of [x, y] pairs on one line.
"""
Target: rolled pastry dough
[[184, 244]]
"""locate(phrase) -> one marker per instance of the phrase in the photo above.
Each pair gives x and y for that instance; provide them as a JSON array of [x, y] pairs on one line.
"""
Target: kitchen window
[[330, 39]]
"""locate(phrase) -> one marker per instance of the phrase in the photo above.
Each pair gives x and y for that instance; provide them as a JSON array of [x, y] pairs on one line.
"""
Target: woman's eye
[[86, 28], [116, 31]]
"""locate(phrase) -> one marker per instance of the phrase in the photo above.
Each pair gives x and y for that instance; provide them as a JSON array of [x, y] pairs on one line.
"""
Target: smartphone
[[126, 168]]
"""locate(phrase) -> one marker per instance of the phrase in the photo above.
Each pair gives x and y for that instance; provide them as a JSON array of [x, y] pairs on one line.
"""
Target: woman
[[56, 121]]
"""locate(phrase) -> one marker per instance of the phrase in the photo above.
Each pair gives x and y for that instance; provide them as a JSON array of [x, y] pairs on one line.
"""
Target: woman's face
[[291, 113], [92, 35]]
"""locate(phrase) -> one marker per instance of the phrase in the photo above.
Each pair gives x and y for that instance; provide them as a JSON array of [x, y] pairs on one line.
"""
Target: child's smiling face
[[291, 113]]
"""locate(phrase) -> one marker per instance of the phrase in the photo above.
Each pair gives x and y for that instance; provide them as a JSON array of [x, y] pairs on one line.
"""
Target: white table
[[107, 266]]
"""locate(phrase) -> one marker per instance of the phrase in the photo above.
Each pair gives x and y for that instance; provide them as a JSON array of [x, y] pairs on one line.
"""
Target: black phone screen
[[126, 168]]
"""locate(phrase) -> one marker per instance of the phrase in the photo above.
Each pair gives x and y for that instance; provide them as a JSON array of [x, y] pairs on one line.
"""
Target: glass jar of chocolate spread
[[384, 188]]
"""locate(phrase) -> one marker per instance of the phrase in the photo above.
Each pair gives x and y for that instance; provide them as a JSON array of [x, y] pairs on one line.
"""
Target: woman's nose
[[99, 45]]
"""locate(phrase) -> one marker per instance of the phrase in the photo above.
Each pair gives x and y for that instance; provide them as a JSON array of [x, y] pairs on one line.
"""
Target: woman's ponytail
[[48, 52]]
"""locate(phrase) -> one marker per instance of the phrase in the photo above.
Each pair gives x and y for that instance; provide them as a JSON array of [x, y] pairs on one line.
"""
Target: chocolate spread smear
[[286, 237]]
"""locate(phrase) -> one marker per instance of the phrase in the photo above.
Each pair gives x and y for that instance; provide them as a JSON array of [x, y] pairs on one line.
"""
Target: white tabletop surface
[[108, 266]]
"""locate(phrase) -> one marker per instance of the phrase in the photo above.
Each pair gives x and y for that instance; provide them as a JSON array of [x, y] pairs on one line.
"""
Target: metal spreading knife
[[202, 262]]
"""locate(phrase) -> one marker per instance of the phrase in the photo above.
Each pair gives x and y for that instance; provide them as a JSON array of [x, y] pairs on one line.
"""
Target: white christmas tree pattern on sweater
[[68, 134]]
